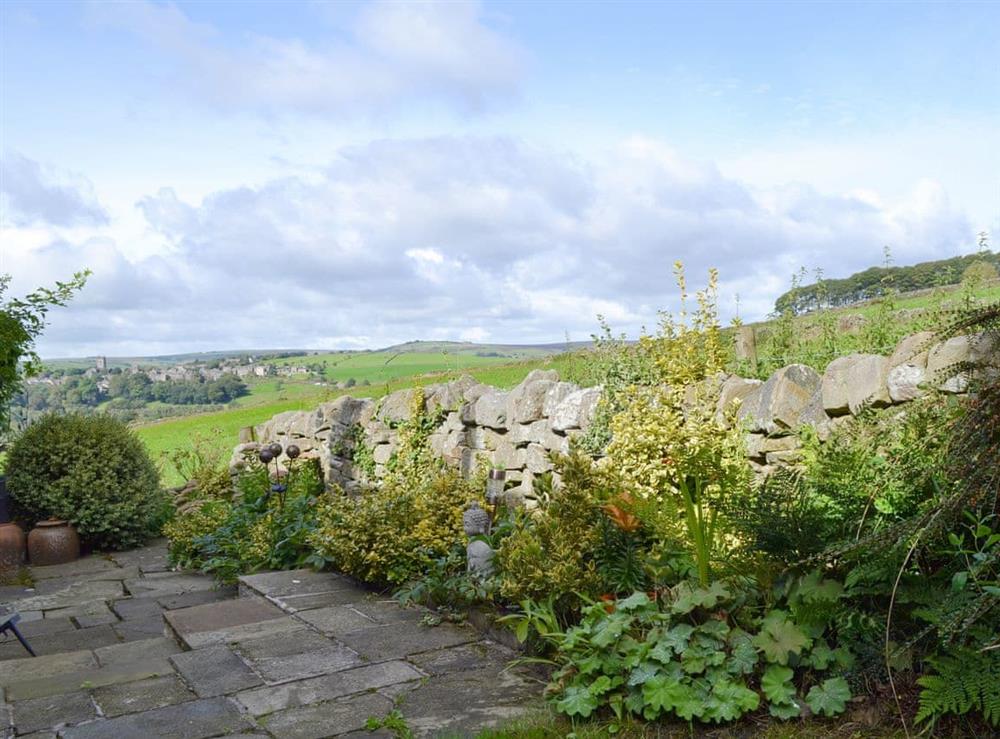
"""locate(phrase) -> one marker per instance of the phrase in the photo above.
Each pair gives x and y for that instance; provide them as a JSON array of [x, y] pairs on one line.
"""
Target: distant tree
[[351, 382], [22, 321]]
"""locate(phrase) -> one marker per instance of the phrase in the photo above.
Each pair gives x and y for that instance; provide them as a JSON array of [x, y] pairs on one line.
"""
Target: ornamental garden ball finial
[[265, 455], [275, 448], [293, 451]]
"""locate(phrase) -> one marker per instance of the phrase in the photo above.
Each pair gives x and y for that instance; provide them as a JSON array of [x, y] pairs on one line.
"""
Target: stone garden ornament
[[479, 554]]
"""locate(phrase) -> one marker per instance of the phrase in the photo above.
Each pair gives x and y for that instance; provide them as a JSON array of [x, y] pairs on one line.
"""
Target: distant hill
[[464, 347], [871, 282]]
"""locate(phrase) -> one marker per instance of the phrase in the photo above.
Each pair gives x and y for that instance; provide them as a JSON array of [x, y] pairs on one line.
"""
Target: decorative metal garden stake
[[269, 454]]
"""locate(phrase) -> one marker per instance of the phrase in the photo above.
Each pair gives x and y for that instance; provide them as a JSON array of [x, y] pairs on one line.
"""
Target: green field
[[220, 430]]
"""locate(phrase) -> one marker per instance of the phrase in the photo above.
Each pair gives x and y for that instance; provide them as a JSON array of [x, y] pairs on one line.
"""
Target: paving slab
[[67, 682], [367, 678], [197, 597], [326, 719], [73, 595], [157, 584], [395, 641], [140, 628], [215, 671], [298, 603], [334, 620], [478, 655], [215, 617], [52, 711], [143, 695], [132, 608], [274, 627], [136, 651], [196, 719], [295, 655], [466, 702], [390, 612], [61, 642], [19, 670], [75, 569], [84, 615], [45, 626], [294, 582], [151, 558]]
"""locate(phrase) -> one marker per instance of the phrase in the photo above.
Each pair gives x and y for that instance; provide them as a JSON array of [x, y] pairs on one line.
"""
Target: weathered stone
[[451, 395], [526, 402], [191, 720], [491, 410], [136, 651], [947, 357], [210, 623], [464, 657], [478, 437], [315, 721], [158, 584], [383, 453], [787, 400], [63, 641], [69, 681], [791, 456], [536, 459], [912, 350], [904, 381], [197, 597], [734, 391], [396, 406], [262, 701], [215, 670], [396, 641], [576, 409], [344, 411], [73, 596], [144, 695], [755, 446], [136, 608], [293, 582], [333, 620], [780, 443], [556, 395], [508, 457], [88, 568], [52, 711], [19, 670], [298, 654], [138, 629], [851, 382]]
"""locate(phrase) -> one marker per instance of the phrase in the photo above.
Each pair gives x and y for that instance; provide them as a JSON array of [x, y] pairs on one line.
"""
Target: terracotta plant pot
[[11, 546], [53, 542]]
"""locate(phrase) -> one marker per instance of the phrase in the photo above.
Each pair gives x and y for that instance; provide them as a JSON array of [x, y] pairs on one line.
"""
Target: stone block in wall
[[377, 432], [853, 381], [905, 380], [382, 453], [555, 395], [491, 410], [536, 459], [943, 358], [449, 395], [526, 402], [791, 456], [480, 437], [471, 460], [912, 350], [755, 446], [508, 456], [780, 443], [735, 389], [790, 398], [576, 410], [395, 407], [344, 411], [453, 421], [448, 445]]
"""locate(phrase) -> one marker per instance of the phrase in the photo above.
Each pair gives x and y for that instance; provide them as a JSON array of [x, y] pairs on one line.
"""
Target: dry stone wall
[[518, 429]]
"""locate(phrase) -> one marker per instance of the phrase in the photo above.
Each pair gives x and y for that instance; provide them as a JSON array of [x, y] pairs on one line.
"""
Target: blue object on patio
[[8, 622]]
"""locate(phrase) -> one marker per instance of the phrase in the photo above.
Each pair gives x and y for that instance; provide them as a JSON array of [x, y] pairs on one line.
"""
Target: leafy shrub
[[91, 471], [265, 529], [188, 527], [394, 532], [700, 655]]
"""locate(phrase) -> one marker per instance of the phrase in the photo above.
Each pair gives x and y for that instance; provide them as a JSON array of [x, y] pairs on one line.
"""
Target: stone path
[[128, 648]]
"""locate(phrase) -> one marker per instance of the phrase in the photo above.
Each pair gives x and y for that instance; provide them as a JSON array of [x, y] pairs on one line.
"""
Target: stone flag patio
[[128, 648]]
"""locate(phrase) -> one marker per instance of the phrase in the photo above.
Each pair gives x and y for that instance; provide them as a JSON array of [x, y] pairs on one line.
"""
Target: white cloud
[[34, 194], [447, 237], [393, 53]]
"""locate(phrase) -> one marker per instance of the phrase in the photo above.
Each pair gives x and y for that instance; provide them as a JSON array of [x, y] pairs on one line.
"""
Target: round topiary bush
[[91, 471]]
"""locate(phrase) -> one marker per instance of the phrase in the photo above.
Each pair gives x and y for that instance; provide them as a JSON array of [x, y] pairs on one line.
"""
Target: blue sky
[[379, 172]]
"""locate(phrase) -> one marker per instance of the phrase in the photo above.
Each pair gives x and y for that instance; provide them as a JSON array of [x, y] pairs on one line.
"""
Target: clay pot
[[11, 546], [53, 542]]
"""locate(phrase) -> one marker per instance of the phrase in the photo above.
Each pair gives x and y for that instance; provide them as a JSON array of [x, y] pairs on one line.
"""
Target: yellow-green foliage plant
[[551, 551], [393, 532], [185, 528], [670, 446]]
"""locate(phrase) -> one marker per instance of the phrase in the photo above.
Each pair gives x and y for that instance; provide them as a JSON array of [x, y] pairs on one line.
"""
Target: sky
[[343, 175]]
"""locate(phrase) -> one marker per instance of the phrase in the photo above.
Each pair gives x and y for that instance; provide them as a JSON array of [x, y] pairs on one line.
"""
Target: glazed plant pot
[[53, 542], [11, 546]]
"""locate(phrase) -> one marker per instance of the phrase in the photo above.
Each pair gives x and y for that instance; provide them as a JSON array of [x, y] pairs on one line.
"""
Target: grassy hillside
[[220, 430]]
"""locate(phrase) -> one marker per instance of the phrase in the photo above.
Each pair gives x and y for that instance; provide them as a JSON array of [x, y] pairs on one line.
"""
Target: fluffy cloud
[[468, 237], [393, 53], [33, 194]]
